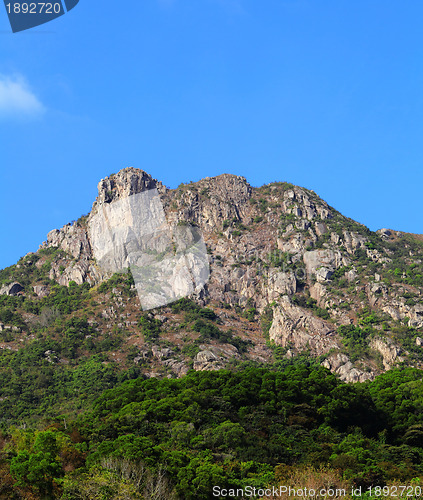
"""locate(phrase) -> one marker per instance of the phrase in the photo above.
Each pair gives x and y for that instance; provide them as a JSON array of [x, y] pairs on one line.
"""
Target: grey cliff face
[[126, 182], [279, 248]]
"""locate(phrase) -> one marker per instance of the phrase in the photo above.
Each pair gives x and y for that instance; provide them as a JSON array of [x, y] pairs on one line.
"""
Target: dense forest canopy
[[253, 426]]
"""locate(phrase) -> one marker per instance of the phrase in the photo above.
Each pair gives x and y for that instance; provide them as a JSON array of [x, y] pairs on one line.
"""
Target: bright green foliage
[[310, 303], [355, 340], [32, 386], [124, 281], [299, 415], [210, 331], [192, 310], [38, 466], [64, 299], [250, 313], [150, 327], [400, 395], [180, 437], [8, 311]]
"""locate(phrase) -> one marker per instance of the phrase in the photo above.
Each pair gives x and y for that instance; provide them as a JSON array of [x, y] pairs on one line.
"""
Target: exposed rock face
[[323, 263], [300, 329], [341, 365], [166, 262], [71, 239], [279, 284], [125, 183], [213, 357], [166, 357], [51, 357], [353, 241], [385, 233], [75, 239], [416, 316], [207, 360], [389, 351], [266, 246], [9, 327], [318, 292], [178, 367], [41, 290], [12, 289], [161, 353], [216, 200]]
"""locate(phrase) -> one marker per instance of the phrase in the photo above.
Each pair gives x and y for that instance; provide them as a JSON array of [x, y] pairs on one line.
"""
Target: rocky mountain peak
[[279, 256], [126, 182], [228, 186]]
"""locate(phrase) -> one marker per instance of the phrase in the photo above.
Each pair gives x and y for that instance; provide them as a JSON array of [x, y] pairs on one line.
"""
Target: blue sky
[[327, 95]]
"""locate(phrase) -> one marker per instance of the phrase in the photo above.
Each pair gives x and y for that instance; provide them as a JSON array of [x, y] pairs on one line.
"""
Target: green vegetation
[[150, 327], [355, 339], [66, 299], [28, 269], [266, 319], [125, 279], [231, 428], [403, 263], [83, 415], [310, 303], [263, 204], [250, 313], [202, 320], [193, 311]]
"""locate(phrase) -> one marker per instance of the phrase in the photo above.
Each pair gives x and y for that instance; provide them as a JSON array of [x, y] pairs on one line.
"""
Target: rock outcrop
[[341, 365], [300, 329], [279, 247], [213, 357], [389, 351], [12, 289]]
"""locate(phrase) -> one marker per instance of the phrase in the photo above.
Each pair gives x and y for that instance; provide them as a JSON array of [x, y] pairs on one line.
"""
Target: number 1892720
[[33, 8]]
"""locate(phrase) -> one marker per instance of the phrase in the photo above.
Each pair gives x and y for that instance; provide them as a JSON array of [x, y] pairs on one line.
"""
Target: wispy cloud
[[17, 99]]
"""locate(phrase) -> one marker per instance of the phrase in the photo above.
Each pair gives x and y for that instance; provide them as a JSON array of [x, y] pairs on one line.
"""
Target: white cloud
[[17, 99]]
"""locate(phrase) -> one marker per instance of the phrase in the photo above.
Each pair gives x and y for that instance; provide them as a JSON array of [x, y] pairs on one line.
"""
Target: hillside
[[288, 274], [102, 397]]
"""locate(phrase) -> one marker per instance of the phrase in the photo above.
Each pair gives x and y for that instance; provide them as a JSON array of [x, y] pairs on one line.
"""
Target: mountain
[[179, 344], [289, 276]]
